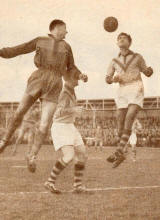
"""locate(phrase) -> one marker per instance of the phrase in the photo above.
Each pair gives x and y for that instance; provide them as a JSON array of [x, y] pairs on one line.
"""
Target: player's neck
[[54, 37], [124, 51]]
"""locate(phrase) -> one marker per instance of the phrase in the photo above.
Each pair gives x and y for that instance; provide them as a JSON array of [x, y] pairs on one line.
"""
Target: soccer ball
[[110, 24]]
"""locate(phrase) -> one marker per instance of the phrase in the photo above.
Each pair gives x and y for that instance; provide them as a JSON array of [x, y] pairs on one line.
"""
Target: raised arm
[[148, 71], [9, 52], [110, 73], [71, 65]]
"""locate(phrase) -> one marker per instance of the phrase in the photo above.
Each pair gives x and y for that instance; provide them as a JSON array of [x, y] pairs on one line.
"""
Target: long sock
[[124, 139], [57, 169], [78, 174], [119, 136]]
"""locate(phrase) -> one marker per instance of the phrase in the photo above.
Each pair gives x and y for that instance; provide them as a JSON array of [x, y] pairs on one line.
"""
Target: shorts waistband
[[131, 82], [51, 68]]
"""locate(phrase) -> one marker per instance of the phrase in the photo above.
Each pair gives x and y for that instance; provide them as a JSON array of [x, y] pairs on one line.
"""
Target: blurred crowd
[[150, 132], [103, 130], [148, 136]]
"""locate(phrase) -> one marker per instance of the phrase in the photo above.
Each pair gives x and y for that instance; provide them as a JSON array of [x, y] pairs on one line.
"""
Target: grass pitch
[[131, 191]]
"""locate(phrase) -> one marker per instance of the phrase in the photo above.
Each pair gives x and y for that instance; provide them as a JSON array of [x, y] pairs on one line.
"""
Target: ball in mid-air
[[110, 24]]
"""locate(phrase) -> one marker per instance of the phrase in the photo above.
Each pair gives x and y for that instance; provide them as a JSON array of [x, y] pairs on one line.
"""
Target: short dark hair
[[127, 35], [54, 23]]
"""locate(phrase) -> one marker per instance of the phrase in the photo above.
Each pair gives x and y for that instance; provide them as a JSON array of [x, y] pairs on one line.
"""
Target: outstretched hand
[[149, 71], [83, 77]]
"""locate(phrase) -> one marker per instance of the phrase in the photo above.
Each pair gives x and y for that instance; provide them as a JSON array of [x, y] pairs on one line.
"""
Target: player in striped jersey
[[128, 67], [67, 138]]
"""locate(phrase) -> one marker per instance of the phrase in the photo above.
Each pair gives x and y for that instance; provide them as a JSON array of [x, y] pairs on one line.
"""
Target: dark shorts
[[44, 84]]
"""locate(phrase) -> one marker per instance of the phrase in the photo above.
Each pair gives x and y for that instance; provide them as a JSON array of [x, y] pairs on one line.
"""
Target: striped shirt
[[50, 54], [128, 68]]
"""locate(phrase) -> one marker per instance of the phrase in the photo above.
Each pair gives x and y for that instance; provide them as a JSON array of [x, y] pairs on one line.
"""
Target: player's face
[[59, 32], [123, 42]]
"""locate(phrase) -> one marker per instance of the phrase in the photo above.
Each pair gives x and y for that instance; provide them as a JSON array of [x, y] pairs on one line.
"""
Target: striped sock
[[124, 139], [78, 174], [57, 169]]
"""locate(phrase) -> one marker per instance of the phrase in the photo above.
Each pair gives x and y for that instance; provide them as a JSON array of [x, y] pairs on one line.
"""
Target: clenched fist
[[149, 72], [83, 77]]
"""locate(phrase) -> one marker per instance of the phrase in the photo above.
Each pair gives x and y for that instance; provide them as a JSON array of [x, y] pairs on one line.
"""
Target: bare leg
[[130, 117], [26, 102], [48, 109], [18, 141], [30, 140], [121, 115]]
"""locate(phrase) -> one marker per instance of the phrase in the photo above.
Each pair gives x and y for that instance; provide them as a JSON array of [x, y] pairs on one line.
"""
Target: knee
[[129, 122], [82, 157], [67, 158], [132, 112], [130, 117], [44, 126]]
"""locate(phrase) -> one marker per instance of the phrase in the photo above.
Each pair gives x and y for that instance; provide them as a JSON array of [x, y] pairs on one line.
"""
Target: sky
[[93, 47]]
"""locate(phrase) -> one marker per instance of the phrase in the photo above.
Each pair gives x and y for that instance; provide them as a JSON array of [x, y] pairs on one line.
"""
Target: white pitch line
[[123, 188], [89, 190], [95, 158], [22, 193], [19, 166]]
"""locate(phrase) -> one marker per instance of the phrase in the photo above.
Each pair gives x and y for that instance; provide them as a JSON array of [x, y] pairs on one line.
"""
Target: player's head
[[124, 40], [58, 29]]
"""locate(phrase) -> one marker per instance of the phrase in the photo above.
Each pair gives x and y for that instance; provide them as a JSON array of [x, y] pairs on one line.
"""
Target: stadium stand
[[102, 112]]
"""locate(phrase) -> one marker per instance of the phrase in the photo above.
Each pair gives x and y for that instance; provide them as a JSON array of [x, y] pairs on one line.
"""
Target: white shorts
[[133, 139], [130, 94], [64, 134]]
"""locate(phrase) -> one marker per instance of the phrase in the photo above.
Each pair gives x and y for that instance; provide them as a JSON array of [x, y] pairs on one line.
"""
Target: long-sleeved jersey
[[50, 54]]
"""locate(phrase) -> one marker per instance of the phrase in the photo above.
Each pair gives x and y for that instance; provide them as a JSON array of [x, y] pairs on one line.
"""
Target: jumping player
[[53, 60], [128, 67], [28, 127], [67, 138]]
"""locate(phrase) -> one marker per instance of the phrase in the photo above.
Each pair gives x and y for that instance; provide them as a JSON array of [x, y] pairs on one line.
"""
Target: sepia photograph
[[79, 110]]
